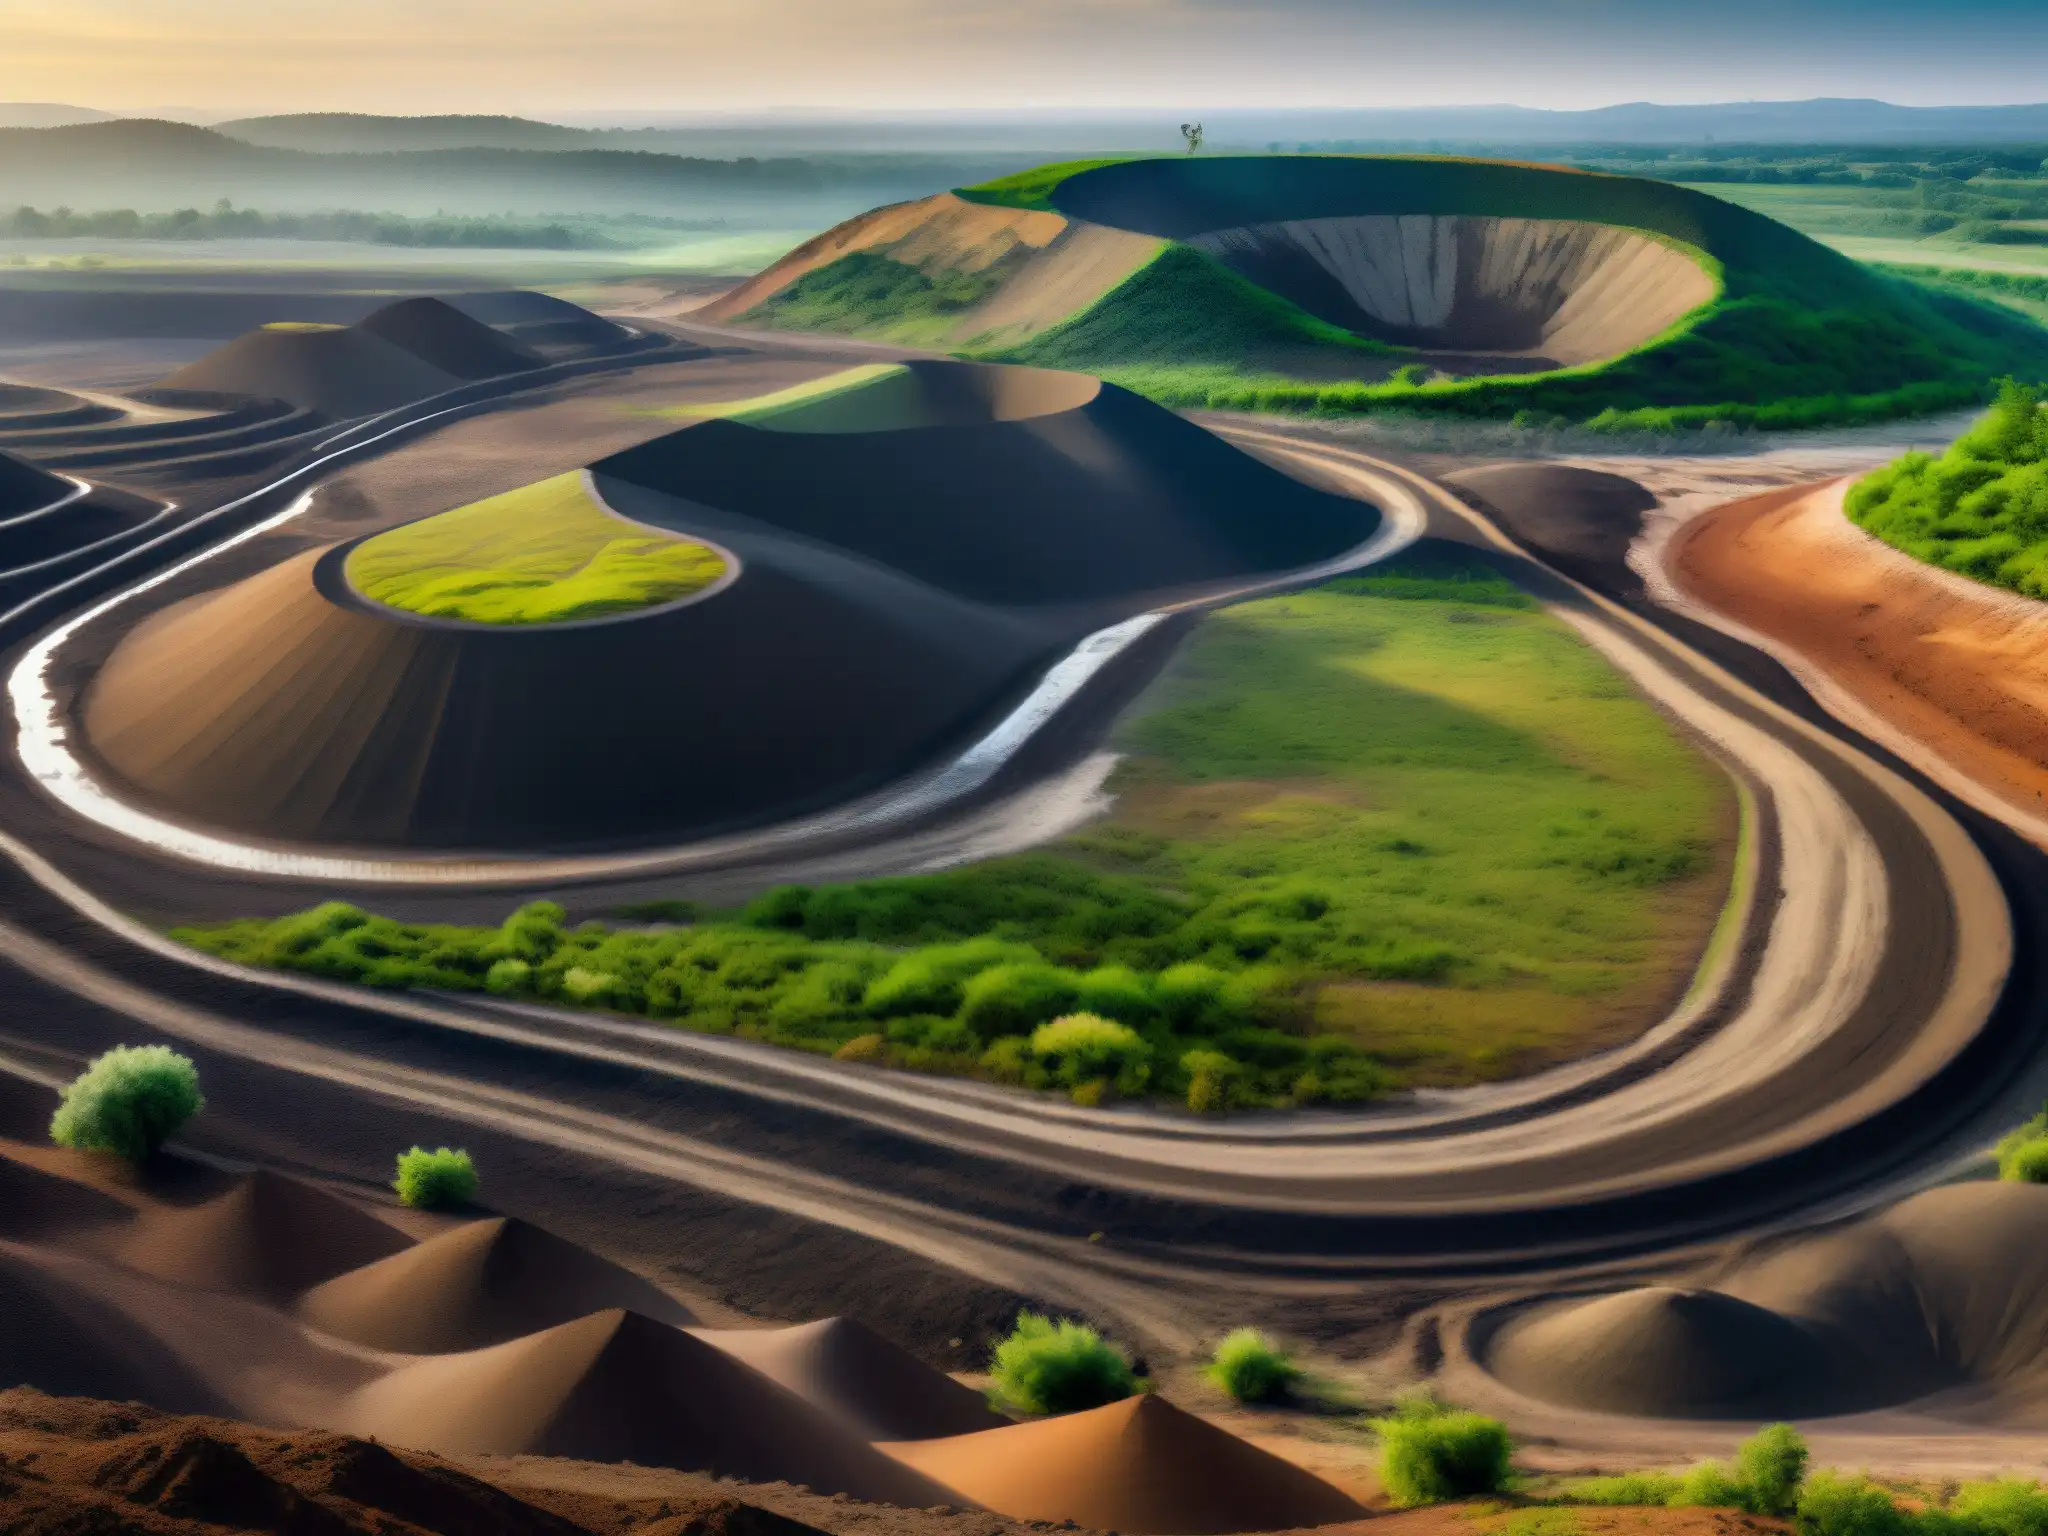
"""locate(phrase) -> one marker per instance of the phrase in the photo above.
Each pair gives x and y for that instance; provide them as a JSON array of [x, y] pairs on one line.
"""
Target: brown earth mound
[[1580, 520], [1140, 1466], [339, 371], [85, 1467], [1959, 668], [1946, 1291], [268, 1236], [870, 1386], [617, 1387], [57, 1337], [479, 1284], [24, 488], [443, 337]]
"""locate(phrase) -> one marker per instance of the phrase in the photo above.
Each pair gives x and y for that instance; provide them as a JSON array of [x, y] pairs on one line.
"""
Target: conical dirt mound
[[1635, 1351], [480, 1284], [616, 1387], [443, 337], [339, 371], [268, 1236], [71, 1344], [849, 1371], [1141, 1466]]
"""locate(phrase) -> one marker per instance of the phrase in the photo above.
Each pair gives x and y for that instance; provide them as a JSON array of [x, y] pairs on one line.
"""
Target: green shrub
[[1430, 1453], [1710, 1485], [1770, 1466], [1831, 1505], [1081, 1049], [129, 1101], [2026, 1163], [1654, 1489], [1212, 1079], [441, 1180], [1251, 1369], [1058, 1367], [2009, 1506], [1011, 999]]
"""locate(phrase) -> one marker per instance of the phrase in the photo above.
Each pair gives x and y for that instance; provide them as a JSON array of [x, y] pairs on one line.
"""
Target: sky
[[537, 57]]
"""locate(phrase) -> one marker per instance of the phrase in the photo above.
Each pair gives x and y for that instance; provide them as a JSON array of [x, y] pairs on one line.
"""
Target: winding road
[[1867, 1018]]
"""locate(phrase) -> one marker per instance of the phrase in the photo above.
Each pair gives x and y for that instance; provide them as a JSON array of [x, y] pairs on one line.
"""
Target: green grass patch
[[544, 554], [783, 404], [869, 294], [1184, 309], [1981, 508], [1031, 189], [1365, 834]]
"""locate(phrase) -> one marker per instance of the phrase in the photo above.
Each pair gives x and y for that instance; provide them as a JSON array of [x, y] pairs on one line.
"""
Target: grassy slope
[[1981, 508], [1401, 822], [1799, 335], [543, 554]]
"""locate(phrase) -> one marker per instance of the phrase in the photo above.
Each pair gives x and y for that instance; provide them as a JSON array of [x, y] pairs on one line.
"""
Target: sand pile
[[1140, 1466], [339, 371], [616, 1387], [267, 1236], [24, 488], [871, 1387], [448, 339], [59, 1337], [1946, 1293], [36, 1202], [479, 1284]]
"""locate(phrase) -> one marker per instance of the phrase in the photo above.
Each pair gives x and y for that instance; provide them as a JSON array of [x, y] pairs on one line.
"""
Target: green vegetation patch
[[1430, 1453], [1048, 1366], [870, 294], [444, 1179], [1981, 508], [1365, 835], [546, 553], [1031, 189], [1184, 309], [129, 1101]]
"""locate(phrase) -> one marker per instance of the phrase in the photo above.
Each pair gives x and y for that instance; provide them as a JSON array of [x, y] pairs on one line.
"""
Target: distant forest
[[227, 222]]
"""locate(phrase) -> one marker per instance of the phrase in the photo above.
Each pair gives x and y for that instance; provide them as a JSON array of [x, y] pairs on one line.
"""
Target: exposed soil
[[1957, 667]]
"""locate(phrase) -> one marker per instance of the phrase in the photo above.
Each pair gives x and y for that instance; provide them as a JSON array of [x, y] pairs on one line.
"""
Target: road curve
[[1822, 1068]]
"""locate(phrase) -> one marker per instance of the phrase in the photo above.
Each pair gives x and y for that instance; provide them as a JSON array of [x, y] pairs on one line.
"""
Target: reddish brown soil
[[1960, 669]]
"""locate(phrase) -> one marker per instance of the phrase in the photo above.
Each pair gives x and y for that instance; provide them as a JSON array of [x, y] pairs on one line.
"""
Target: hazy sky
[[542, 56]]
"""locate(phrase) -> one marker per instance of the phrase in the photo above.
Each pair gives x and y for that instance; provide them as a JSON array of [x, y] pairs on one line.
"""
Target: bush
[[1211, 1078], [1011, 999], [130, 1101], [1831, 1505], [2026, 1162], [435, 1181], [1248, 1367], [2010, 1506], [1770, 1466], [1430, 1453], [1081, 1050], [1063, 1367]]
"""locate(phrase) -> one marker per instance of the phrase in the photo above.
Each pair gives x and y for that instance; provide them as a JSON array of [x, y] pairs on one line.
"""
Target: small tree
[[1084, 1054], [435, 1181], [1770, 1466], [1248, 1367], [1063, 1367], [1430, 1453], [130, 1101], [1192, 132]]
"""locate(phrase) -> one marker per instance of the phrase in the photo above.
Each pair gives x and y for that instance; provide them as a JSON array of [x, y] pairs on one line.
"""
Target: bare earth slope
[[1959, 667]]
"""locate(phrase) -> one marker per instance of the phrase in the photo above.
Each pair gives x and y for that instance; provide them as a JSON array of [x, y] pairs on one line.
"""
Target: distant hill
[[47, 114], [155, 166], [357, 132]]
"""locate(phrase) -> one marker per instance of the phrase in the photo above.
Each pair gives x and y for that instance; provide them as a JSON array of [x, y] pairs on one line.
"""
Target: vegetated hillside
[[1268, 255], [363, 132], [1981, 508]]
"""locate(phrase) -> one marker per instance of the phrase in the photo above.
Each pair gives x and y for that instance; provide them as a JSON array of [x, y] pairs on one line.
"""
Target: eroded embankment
[[1956, 669]]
